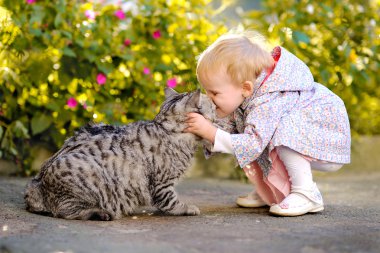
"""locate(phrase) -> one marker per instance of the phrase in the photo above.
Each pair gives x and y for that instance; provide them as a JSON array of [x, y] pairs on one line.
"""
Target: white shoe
[[250, 200], [300, 201]]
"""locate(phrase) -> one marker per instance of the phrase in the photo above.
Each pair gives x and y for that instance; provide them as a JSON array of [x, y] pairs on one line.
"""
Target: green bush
[[64, 63], [339, 41]]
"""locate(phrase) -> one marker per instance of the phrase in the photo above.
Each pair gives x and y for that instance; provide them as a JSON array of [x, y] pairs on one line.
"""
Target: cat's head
[[176, 106]]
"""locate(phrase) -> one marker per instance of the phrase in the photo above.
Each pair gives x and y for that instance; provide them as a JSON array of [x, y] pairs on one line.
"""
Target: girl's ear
[[247, 89], [169, 92]]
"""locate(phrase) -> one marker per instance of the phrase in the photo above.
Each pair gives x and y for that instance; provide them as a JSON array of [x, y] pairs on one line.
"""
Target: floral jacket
[[288, 108]]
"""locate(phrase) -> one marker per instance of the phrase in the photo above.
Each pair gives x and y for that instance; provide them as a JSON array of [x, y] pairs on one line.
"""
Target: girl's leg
[[305, 196], [252, 199], [270, 189], [299, 169]]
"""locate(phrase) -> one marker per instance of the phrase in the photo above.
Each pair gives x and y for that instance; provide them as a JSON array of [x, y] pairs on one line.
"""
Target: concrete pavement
[[350, 223]]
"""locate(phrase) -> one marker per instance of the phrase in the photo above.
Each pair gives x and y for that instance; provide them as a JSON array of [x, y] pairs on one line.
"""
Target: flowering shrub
[[339, 41], [64, 63]]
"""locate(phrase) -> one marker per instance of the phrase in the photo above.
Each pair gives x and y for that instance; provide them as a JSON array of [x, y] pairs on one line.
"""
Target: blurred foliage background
[[339, 41], [64, 63]]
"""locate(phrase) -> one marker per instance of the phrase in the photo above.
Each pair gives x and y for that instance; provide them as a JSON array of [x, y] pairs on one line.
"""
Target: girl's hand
[[200, 126]]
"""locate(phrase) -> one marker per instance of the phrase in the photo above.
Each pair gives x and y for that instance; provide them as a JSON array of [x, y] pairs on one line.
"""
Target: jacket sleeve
[[261, 122]]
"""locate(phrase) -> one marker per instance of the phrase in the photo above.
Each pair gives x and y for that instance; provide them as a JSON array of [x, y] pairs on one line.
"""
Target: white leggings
[[299, 169]]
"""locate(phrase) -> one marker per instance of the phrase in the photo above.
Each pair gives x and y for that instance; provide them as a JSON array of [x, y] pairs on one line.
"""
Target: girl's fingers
[[192, 114]]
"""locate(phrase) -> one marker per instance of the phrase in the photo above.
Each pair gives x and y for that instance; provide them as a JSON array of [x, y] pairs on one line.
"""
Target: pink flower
[[119, 14], [146, 71], [84, 105], [127, 42], [72, 103], [30, 1], [90, 14], [156, 34], [172, 82], [101, 78]]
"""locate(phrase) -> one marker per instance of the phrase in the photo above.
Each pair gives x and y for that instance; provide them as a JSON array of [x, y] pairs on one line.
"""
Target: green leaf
[[79, 42], [163, 67], [37, 15], [53, 106], [89, 54], [5, 141], [39, 66], [36, 32], [69, 52], [58, 20], [105, 67], [13, 150], [67, 34], [40, 123], [300, 37], [127, 57], [1, 132], [19, 130], [61, 6]]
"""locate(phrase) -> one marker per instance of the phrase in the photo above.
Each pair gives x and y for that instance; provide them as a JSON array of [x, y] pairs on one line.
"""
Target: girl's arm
[[218, 139]]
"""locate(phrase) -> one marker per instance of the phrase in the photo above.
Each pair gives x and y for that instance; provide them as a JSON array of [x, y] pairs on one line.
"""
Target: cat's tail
[[34, 198]]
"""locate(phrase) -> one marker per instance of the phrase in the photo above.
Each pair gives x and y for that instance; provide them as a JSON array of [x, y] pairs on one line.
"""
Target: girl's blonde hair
[[243, 55]]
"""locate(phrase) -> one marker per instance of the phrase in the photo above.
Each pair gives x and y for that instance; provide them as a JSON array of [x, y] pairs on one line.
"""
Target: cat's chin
[[196, 137]]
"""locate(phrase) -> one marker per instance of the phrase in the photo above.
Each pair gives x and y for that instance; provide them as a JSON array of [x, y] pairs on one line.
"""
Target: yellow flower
[[353, 56], [157, 76], [166, 58], [82, 98]]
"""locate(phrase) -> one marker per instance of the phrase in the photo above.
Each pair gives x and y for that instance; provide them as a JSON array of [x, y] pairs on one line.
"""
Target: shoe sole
[[245, 204], [250, 206], [317, 209], [281, 212]]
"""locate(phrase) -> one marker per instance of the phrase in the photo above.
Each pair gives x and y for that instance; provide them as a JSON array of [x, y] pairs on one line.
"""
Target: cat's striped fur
[[104, 172]]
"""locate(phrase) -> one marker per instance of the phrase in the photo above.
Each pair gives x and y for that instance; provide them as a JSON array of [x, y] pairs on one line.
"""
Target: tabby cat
[[104, 172]]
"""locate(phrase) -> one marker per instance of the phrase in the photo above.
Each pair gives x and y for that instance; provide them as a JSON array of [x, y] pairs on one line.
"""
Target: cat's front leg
[[166, 200]]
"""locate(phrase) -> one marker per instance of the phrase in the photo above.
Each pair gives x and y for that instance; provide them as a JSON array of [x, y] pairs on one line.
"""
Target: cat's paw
[[192, 210], [101, 215]]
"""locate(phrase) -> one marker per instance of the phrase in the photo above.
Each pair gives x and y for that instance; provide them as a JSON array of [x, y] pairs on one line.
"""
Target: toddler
[[281, 123]]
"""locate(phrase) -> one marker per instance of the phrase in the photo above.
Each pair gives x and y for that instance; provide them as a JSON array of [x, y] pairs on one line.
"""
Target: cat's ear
[[169, 92], [195, 98]]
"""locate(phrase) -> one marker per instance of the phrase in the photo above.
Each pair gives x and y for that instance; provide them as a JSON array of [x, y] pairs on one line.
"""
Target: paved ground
[[350, 223]]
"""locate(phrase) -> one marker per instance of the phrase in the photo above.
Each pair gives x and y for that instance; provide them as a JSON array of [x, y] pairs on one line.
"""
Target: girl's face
[[226, 95]]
